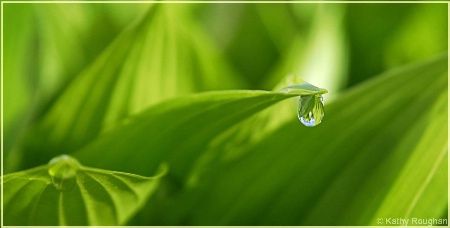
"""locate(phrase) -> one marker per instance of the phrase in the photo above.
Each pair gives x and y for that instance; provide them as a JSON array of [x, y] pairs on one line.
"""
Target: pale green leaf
[[17, 96], [46, 46], [65, 41], [303, 89], [406, 197], [423, 25], [380, 152], [318, 57], [237, 157], [178, 130], [71, 194], [160, 56]]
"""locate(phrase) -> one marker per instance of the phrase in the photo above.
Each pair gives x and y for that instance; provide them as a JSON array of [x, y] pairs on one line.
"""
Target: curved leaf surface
[[318, 57], [46, 46], [380, 153], [17, 96], [73, 195], [179, 130], [160, 56], [413, 194]]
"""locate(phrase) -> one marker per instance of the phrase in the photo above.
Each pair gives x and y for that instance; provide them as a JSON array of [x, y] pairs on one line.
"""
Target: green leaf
[[363, 38], [144, 141], [156, 58], [421, 25], [65, 42], [247, 44], [237, 157], [46, 46], [178, 130], [66, 193], [406, 197], [303, 89], [318, 57], [18, 95], [380, 152]]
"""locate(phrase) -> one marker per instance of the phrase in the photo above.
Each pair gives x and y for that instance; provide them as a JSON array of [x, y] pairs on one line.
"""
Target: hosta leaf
[[66, 193], [380, 152], [179, 130], [158, 57]]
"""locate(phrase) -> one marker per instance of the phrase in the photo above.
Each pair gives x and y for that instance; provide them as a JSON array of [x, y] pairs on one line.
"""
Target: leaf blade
[[147, 63], [96, 198], [292, 177], [150, 134]]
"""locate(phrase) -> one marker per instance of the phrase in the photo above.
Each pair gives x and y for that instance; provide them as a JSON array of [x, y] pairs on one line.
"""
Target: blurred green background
[[51, 50], [47, 45]]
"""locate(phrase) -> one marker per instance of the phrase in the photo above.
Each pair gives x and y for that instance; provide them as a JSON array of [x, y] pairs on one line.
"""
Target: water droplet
[[310, 110], [63, 170]]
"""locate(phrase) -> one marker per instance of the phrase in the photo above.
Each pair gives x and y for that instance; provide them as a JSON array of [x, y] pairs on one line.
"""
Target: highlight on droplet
[[63, 170], [310, 102], [310, 110]]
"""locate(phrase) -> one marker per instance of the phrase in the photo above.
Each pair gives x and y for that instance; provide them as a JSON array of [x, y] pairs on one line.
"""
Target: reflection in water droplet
[[310, 110], [63, 170]]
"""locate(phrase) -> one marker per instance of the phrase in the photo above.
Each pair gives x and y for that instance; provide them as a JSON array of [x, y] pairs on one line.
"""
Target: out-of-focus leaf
[[282, 24], [66, 193], [377, 139], [366, 42], [46, 45], [406, 33], [422, 35], [160, 56], [249, 47], [319, 57], [18, 90], [66, 43]]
